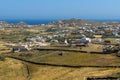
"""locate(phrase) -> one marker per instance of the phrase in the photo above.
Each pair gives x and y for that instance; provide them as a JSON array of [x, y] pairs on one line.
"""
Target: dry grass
[[2, 42], [14, 70], [11, 69], [93, 47], [4, 49], [62, 73]]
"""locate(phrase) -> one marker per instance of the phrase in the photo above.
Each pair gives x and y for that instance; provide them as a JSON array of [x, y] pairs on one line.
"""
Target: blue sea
[[37, 22]]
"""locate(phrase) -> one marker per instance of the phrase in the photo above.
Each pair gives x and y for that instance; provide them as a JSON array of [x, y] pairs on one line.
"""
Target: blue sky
[[59, 9]]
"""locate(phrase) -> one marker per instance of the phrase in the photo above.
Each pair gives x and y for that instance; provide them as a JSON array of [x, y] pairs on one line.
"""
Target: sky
[[59, 9]]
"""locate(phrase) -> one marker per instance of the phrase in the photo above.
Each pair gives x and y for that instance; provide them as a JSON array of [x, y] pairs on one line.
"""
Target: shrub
[[2, 58]]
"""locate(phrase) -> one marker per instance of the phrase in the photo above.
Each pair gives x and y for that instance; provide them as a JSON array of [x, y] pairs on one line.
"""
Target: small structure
[[81, 43], [117, 41], [86, 39], [97, 39], [42, 44], [54, 41], [15, 50], [64, 42], [1, 28], [30, 39], [24, 48], [97, 36], [61, 53]]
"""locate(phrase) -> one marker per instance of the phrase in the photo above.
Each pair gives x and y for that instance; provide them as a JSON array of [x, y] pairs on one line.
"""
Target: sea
[[38, 22]]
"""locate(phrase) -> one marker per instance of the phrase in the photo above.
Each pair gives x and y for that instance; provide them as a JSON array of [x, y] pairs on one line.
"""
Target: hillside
[[11, 69]]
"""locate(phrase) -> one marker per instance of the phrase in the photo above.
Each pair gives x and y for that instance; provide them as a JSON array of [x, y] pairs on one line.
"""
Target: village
[[73, 33]]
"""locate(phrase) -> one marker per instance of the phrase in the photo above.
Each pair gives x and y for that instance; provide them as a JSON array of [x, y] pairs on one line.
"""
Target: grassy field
[[69, 58], [75, 59]]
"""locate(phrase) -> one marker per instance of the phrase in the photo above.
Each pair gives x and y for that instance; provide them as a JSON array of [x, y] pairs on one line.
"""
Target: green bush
[[2, 58], [118, 54]]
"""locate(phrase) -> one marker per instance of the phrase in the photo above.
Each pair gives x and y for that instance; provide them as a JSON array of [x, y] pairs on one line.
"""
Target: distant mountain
[[80, 22]]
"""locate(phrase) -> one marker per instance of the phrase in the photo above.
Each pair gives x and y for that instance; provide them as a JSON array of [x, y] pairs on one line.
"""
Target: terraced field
[[69, 58]]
